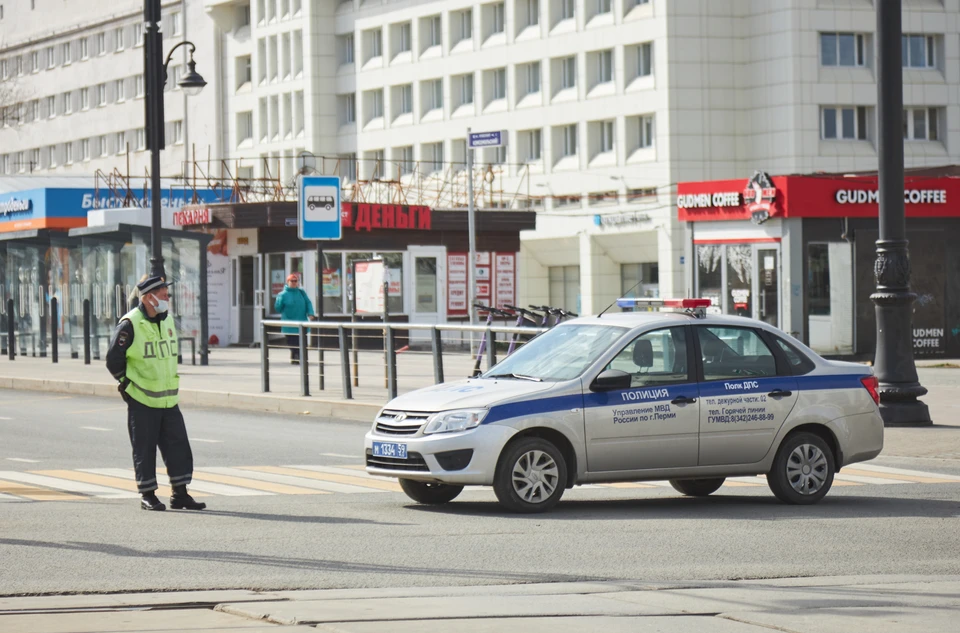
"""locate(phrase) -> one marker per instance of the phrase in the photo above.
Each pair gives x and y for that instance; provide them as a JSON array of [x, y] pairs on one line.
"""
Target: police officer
[[143, 358]]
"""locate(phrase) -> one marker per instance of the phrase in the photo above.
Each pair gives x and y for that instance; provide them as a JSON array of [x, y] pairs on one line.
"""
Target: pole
[[11, 331], [387, 349], [472, 233], [86, 331], [54, 327], [264, 360], [319, 311], [894, 364], [154, 81]]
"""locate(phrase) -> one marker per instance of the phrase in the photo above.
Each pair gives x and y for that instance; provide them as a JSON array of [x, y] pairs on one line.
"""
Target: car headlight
[[452, 421]]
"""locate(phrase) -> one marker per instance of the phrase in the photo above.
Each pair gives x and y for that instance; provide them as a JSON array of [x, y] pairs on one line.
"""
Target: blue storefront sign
[[67, 208]]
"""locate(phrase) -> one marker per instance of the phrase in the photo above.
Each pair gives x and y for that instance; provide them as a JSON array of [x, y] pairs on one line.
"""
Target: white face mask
[[162, 306]]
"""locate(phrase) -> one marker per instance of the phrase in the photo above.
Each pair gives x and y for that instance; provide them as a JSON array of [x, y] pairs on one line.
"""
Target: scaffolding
[[367, 180]]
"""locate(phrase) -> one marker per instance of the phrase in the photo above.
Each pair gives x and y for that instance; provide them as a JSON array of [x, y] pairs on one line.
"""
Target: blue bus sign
[[319, 208], [486, 139]]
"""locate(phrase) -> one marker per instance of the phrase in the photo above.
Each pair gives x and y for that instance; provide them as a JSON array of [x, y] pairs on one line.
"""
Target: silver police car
[[676, 394]]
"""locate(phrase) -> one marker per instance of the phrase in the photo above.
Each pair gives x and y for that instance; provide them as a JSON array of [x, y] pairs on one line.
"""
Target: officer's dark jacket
[[121, 340]]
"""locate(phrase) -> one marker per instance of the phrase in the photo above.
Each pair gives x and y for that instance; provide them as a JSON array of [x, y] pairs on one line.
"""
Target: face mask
[[162, 306]]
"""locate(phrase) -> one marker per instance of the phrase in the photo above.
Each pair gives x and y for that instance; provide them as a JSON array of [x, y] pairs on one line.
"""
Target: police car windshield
[[563, 353]]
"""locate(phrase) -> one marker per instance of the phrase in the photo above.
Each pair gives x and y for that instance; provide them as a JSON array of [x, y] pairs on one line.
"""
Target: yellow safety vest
[[152, 361]]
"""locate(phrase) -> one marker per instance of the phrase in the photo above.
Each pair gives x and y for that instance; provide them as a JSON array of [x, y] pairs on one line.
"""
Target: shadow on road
[[287, 518], [714, 507]]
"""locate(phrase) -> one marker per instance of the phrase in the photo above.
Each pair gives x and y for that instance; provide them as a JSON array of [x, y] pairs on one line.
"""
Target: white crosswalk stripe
[[200, 486], [66, 485], [5, 498], [287, 479], [901, 471]]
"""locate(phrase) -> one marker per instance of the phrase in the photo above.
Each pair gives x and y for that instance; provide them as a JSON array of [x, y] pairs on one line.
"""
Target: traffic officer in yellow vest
[[143, 358]]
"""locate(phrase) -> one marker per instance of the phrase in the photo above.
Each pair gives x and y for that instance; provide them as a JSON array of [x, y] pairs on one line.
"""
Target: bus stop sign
[[318, 215]]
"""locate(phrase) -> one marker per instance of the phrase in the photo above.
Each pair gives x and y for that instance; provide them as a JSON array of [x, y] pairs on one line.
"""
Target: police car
[[674, 394]]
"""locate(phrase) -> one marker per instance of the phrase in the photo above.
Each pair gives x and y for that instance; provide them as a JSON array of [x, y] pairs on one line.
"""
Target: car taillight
[[871, 384]]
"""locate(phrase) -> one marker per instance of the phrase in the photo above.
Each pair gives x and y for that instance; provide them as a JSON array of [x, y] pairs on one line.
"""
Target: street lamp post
[[155, 77], [894, 364]]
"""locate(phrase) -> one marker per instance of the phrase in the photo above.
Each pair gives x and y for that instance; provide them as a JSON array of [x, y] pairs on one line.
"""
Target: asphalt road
[[380, 539]]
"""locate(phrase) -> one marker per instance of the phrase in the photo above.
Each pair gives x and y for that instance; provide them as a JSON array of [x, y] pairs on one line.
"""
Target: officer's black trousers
[[164, 429]]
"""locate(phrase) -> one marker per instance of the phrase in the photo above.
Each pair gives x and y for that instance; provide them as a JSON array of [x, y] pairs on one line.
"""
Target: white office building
[[72, 87]]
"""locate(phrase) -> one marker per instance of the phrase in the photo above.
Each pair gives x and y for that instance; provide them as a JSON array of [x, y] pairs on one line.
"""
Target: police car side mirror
[[611, 380]]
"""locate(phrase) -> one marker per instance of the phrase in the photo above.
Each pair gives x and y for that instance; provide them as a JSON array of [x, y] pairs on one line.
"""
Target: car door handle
[[683, 400], [780, 393]]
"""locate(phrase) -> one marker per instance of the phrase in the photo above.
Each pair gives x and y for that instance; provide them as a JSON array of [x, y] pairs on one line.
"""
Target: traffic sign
[[486, 139], [319, 208]]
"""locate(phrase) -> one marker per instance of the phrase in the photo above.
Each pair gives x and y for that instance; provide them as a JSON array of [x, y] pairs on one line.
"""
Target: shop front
[[798, 252], [255, 247]]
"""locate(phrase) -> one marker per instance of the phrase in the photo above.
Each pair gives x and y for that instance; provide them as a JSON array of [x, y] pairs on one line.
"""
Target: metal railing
[[383, 355]]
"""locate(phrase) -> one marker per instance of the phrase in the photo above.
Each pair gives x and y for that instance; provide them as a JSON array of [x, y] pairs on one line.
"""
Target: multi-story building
[[73, 86]]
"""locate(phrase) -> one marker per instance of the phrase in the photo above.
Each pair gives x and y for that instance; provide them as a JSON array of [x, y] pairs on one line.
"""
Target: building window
[[348, 108], [405, 159], [101, 43], [35, 61], [51, 107], [35, 159], [68, 103], [499, 84], [101, 95], [138, 86], [604, 6], [66, 51], [52, 156], [121, 140], [462, 24], [245, 127], [175, 19], [818, 279], [645, 59], [570, 140], [532, 78], [244, 70], [434, 33], [645, 132], [607, 129], [376, 43], [434, 94], [51, 57], [375, 102], [138, 33], [843, 123], [35, 107], [141, 139], [121, 93], [118, 36], [85, 149], [345, 48], [532, 145], [565, 287], [68, 153], [6, 164], [84, 98], [842, 49], [348, 166], [178, 132], [405, 99], [568, 72], [921, 124], [640, 280], [4, 69], [531, 12], [434, 151], [605, 66], [918, 51], [568, 9], [84, 48], [103, 150], [405, 38], [497, 18]]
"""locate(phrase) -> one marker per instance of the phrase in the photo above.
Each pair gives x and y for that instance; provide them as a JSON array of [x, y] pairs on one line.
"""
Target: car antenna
[[617, 299]]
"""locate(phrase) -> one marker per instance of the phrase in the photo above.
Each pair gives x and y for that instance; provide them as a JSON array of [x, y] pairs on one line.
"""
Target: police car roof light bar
[[694, 307]]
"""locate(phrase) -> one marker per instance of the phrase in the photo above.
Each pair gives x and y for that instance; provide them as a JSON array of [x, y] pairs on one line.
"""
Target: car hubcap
[[535, 476], [807, 469]]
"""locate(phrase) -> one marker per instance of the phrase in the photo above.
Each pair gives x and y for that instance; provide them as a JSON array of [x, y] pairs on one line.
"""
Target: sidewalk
[[875, 604]]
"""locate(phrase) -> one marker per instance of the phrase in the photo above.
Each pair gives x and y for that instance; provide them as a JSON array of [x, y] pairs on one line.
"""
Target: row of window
[[493, 25], [599, 77], [281, 118], [853, 123], [53, 156], [117, 40], [66, 103], [269, 11], [851, 50], [279, 58]]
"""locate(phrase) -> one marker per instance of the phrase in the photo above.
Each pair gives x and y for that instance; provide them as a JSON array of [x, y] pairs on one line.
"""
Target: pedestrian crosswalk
[[260, 481]]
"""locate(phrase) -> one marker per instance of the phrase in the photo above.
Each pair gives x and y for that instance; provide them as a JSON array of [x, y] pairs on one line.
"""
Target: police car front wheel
[[531, 476], [430, 493], [803, 469]]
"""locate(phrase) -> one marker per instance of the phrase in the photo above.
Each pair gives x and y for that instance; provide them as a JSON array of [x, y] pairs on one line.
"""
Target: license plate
[[390, 449]]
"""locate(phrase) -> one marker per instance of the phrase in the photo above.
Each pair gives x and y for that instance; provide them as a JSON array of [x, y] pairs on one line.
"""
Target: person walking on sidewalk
[[143, 358], [293, 304]]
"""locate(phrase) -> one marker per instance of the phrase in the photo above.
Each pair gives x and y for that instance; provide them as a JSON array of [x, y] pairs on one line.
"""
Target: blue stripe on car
[[709, 389]]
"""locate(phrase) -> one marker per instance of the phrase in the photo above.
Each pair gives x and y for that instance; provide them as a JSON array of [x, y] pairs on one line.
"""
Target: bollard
[[491, 350], [11, 332], [264, 360], [345, 363], [320, 360], [54, 328], [86, 331], [43, 326], [436, 344], [304, 361], [391, 363]]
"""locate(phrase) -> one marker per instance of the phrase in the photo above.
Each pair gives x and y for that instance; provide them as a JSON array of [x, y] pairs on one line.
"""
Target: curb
[[359, 411]]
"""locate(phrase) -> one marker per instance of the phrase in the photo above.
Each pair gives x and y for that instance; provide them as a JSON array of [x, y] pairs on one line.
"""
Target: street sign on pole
[[318, 216], [486, 139]]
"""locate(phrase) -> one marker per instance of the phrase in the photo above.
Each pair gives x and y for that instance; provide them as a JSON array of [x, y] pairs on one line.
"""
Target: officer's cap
[[152, 283]]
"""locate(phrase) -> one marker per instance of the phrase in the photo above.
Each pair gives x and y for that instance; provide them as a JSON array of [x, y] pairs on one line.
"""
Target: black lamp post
[[155, 77], [894, 365]]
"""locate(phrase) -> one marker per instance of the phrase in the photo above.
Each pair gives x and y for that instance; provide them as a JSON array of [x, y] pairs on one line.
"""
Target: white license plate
[[390, 449]]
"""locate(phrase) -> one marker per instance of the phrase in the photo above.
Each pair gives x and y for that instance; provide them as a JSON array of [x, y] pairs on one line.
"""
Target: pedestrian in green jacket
[[293, 304]]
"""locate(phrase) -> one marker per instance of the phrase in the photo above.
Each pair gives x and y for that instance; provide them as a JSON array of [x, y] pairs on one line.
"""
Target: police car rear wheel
[[430, 493], [531, 476], [697, 487], [803, 470]]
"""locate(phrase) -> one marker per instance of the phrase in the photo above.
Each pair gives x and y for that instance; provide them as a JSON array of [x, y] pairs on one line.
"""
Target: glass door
[[427, 278], [767, 291]]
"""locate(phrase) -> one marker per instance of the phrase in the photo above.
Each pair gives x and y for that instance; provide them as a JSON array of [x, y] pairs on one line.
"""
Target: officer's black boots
[[180, 500], [149, 501]]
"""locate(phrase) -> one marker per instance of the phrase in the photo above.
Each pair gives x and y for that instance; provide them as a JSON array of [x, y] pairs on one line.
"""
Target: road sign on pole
[[318, 216], [486, 139]]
